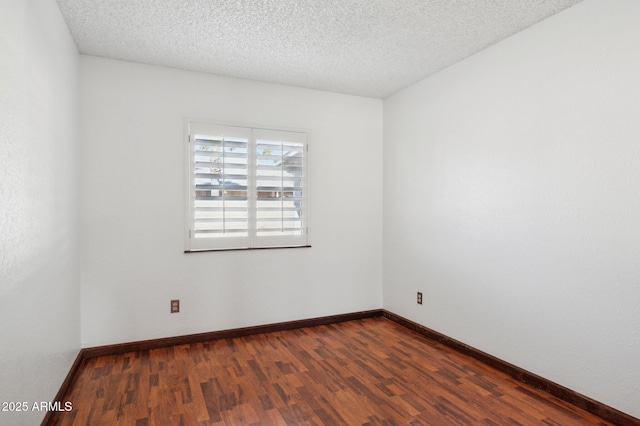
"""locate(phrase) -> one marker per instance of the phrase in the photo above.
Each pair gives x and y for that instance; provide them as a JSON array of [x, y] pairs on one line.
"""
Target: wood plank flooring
[[365, 372]]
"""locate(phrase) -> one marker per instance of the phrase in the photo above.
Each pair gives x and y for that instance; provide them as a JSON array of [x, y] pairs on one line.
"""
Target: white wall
[[39, 266], [133, 206], [511, 200]]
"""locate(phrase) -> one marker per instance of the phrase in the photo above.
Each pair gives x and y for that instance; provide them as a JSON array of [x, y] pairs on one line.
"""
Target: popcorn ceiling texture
[[362, 47]]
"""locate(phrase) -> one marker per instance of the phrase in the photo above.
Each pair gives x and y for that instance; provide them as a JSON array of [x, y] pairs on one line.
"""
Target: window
[[247, 188]]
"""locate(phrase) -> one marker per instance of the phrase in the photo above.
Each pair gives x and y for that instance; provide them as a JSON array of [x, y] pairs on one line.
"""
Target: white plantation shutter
[[280, 175], [219, 186], [247, 188]]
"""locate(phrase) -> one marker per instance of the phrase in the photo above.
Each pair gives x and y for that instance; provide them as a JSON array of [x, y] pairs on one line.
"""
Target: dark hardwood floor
[[365, 372]]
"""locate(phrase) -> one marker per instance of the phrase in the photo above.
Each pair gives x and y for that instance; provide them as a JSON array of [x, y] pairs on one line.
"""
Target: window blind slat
[[278, 209], [219, 209], [280, 188], [200, 187], [299, 231], [220, 198], [219, 143], [221, 220], [279, 219], [279, 178], [219, 231]]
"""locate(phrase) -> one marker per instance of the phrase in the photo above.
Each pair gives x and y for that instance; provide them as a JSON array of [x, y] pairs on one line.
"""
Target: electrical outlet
[[175, 306], [419, 298]]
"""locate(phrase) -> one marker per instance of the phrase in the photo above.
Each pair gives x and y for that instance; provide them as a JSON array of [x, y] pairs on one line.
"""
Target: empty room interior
[[482, 154]]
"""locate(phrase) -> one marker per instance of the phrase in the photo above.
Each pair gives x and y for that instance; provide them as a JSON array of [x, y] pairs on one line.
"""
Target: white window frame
[[255, 238]]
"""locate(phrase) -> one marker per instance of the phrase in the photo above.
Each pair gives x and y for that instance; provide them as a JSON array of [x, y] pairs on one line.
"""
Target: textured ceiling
[[362, 47]]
